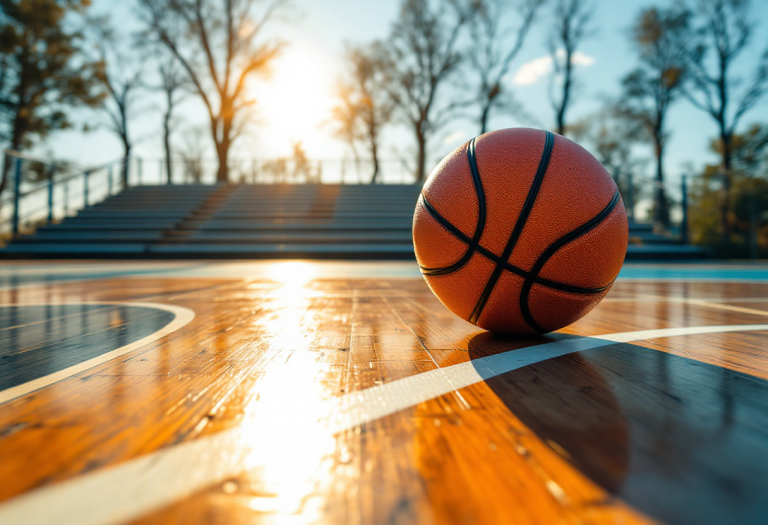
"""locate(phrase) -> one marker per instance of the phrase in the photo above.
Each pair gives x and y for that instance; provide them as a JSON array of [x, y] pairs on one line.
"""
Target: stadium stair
[[644, 244], [259, 221]]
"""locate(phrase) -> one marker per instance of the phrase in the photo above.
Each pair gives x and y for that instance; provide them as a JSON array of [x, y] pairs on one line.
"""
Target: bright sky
[[295, 102]]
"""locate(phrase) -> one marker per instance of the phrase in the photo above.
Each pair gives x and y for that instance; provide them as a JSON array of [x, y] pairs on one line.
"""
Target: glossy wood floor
[[255, 410]]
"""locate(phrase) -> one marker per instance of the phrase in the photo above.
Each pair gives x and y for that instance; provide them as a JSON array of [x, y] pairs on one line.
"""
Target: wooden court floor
[[288, 393]]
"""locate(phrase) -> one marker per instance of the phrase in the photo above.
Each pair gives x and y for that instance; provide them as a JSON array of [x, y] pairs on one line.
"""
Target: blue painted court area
[[697, 272], [15, 275]]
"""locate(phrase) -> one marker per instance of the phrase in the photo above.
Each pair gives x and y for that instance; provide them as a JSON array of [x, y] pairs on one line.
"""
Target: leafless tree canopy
[[613, 139], [173, 83], [220, 44], [662, 37], [43, 71], [424, 56], [572, 19], [725, 30], [495, 44], [364, 107], [122, 77]]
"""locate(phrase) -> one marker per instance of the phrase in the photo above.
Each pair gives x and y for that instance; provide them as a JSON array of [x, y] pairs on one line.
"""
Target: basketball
[[520, 231]]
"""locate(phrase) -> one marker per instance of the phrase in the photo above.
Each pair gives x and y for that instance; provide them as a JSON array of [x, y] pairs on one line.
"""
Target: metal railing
[[287, 170], [640, 195], [40, 192]]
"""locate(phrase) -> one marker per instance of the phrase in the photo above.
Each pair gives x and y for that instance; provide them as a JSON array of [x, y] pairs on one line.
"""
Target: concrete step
[[316, 225], [21, 250], [241, 221], [109, 226], [142, 236], [217, 226], [295, 237], [228, 251], [664, 252]]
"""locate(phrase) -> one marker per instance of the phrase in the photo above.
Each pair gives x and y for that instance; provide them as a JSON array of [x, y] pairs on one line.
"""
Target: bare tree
[[215, 42], [173, 82], [725, 31], [345, 116], [661, 37], [424, 56], [495, 45], [364, 107], [42, 72], [572, 20], [613, 139], [192, 154], [122, 78]]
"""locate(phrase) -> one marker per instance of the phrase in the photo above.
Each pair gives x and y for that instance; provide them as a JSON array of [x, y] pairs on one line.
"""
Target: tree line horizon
[[442, 60]]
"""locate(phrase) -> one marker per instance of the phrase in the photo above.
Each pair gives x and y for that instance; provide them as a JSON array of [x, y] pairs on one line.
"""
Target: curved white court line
[[139, 486], [182, 316]]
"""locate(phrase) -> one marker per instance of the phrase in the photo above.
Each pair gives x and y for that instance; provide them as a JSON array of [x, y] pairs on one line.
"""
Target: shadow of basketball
[[680, 440]]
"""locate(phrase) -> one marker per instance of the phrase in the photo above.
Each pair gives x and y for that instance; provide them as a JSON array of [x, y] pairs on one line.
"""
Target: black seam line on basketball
[[533, 191], [507, 265], [549, 252], [473, 243]]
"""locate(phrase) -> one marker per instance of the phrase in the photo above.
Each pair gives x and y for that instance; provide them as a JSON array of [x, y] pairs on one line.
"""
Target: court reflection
[[289, 447], [680, 440], [37, 340]]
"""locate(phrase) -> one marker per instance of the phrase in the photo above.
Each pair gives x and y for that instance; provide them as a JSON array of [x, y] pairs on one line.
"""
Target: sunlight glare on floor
[[285, 426], [293, 274]]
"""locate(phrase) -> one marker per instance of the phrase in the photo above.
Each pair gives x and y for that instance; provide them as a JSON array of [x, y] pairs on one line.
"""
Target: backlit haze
[[295, 100]]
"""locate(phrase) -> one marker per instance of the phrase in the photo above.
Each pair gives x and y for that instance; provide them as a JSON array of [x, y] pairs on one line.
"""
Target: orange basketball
[[520, 231]]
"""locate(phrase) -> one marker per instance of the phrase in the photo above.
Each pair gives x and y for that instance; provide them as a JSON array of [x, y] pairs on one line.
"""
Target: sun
[[295, 102]]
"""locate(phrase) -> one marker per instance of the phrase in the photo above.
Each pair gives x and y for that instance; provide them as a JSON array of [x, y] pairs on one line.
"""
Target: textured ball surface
[[520, 231]]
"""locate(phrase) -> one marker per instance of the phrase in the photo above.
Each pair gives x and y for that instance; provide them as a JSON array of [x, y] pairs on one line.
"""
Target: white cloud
[[453, 137], [531, 72], [578, 58]]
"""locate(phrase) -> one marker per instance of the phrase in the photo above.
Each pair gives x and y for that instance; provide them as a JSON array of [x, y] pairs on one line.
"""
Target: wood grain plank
[[473, 456]]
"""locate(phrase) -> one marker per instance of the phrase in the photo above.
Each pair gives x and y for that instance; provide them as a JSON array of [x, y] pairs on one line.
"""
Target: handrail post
[[126, 175], [109, 179], [86, 175], [684, 203], [138, 159], [630, 197], [50, 193], [16, 196]]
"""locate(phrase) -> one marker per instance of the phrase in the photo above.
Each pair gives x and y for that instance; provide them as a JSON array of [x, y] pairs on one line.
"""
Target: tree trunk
[[375, 157], [561, 117], [661, 210], [126, 161], [222, 146], [6, 168], [167, 144], [566, 95], [725, 189], [484, 117], [421, 160], [19, 129], [222, 151]]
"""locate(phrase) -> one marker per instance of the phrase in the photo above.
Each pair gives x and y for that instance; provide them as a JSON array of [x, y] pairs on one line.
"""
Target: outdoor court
[[294, 392]]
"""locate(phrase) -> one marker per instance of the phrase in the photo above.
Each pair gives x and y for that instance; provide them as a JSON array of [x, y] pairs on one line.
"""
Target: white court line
[[182, 316], [694, 279], [139, 486], [717, 306]]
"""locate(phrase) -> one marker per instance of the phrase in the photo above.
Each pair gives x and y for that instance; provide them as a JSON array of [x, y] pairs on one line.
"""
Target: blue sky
[[317, 31]]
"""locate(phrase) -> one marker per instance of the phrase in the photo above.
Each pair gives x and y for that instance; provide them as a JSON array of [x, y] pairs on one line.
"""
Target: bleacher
[[260, 221]]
